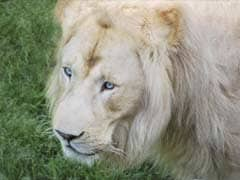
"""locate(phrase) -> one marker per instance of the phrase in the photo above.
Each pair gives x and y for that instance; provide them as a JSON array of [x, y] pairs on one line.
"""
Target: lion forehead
[[87, 48]]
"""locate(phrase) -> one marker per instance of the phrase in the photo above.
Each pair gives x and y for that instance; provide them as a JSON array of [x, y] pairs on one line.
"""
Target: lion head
[[103, 92], [129, 84]]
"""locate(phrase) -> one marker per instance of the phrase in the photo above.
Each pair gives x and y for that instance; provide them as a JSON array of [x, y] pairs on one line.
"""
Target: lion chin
[[139, 81], [74, 155]]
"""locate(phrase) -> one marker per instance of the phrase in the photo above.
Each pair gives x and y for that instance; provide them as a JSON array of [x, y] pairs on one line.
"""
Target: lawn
[[28, 150]]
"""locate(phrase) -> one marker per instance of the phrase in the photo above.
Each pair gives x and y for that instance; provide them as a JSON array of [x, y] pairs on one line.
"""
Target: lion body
[[177, 66]]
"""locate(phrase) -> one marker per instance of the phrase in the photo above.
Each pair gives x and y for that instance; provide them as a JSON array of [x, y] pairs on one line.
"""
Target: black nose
[[69, 137]]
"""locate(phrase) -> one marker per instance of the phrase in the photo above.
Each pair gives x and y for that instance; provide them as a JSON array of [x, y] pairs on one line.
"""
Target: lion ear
[[67, 11], [171, 18], [164, 25], [60, 9]]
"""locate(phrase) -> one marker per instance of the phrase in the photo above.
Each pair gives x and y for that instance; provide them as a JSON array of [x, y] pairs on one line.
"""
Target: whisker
[[109, 148], [117, 151], [101, 147]]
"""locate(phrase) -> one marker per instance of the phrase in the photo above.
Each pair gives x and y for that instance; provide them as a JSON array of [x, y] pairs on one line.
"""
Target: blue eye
[[67, 71], [107, 86]]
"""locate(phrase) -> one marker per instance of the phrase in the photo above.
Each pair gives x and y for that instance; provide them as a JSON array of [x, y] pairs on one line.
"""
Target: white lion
[[150, 80]]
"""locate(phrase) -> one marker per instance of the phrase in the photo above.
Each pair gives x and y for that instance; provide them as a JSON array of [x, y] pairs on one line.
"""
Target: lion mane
[[191, 117]]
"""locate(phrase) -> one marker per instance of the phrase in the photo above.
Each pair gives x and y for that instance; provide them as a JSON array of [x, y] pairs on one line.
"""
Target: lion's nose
[[68, 137]]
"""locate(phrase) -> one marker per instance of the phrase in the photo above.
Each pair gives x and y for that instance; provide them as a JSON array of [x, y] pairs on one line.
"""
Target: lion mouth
[[69, 146]]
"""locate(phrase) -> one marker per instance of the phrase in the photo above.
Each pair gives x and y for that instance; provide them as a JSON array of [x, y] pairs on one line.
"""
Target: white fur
[[177, 103]]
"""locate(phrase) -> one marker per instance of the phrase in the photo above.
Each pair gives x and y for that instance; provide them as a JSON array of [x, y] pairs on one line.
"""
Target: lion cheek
[[120, 136]]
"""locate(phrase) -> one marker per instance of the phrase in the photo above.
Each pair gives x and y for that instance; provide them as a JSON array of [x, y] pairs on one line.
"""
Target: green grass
[[28, 150]]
